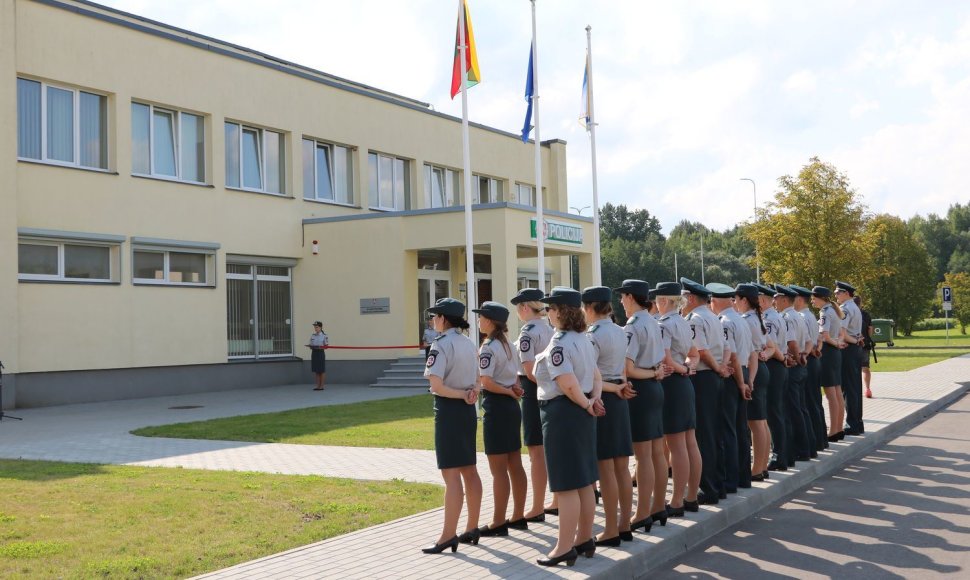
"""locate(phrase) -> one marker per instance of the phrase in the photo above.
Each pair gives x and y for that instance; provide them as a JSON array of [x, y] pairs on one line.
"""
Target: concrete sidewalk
[[98, 433]]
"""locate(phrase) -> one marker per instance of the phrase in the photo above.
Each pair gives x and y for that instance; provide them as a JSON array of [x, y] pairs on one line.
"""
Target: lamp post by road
[[757, 259], [579, 210]]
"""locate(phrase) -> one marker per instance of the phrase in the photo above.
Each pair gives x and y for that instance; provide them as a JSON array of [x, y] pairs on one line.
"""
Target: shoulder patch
[[484, 360], [525, 344], [629, 337], [529, 326], [432, 356], [556, 356]]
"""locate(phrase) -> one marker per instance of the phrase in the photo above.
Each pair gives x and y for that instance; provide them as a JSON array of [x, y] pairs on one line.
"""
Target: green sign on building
[[558, 232]]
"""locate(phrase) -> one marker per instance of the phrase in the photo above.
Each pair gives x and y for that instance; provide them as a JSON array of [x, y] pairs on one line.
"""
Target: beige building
[[177, 211]]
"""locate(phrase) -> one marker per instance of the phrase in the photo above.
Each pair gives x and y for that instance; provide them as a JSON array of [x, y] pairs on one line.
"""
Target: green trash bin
[[882, 331]]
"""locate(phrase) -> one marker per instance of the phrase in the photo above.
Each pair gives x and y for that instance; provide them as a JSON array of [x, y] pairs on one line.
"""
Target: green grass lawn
[[922, 348], [69, 520]]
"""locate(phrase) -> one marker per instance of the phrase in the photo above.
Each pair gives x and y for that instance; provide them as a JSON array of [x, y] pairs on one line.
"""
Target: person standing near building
[[453, 372], [570, 385], [867, 346], [680, 413], [645, 369], [813, 391], [533, 338], [614, 441], [851, 358], [501, 425], [708, 382], [800, 441], [774, 364], [749, 306], [318, 354], [427, 338], [830, 369]]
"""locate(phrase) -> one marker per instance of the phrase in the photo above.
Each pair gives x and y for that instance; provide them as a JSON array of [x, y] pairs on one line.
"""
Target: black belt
[[615, 381]]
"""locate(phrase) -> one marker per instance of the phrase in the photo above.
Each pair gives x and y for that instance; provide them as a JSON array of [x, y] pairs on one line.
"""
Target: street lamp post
[[579, 210], [757, 259]]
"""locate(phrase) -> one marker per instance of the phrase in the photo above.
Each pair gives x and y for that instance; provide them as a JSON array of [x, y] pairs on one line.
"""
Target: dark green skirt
[[830, 371], [569, 433], [613, 437], [531, 425], [455, 423], [500, 425], [679, 413], [646, 410]]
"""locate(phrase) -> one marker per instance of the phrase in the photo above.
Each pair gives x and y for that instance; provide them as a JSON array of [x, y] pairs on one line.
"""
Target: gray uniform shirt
[[742, 335], [676, 336], [853, 319], [567, 352], [796, 328], [811, 324], [609, 341], [453, 357], [533, 339], [707, 332], [828, 321], [494, 361], [319, 339], [758, 340], [644, 340], [776, 327], [429, 335]]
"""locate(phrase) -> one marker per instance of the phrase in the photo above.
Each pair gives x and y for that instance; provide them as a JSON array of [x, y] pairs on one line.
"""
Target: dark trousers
[[777, 415], [744, 440], [727, 466], [707, 403], [800, 443], [813, 404], [852, 386]]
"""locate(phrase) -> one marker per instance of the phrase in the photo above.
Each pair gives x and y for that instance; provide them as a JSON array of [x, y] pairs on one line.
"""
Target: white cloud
[[801, 82]]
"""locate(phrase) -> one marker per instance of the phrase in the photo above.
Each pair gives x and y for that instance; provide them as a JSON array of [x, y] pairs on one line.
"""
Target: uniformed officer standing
[[452, 370], [758, 379], [501, 426], [799, 439], [614, 441], [533, 338], [813, 391], [645, 369], [708, 382], [830, 369], [570, 385], [680, 414], [772, 362], [851, 358]]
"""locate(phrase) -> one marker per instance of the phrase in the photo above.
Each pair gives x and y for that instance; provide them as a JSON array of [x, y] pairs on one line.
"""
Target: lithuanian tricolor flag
[[471, 55]]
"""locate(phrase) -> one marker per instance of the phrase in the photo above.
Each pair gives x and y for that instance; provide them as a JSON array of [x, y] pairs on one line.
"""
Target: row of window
[[67, 126]]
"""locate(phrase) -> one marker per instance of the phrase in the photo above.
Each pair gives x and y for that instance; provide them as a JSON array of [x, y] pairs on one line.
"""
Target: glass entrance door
[[430, 290], [259, 311]]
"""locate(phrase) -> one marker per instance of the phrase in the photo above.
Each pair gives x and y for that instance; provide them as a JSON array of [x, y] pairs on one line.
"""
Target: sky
[[690, 97]]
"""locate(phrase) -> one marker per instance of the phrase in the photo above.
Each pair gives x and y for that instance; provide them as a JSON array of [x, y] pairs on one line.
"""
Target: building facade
[[177, 210]]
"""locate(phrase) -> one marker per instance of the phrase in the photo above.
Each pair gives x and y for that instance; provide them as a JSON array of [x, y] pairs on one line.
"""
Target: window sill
[[170, 285], [328, 202], [65, 165], [171, 180], [258, 192], [385, 209], [78, 281]]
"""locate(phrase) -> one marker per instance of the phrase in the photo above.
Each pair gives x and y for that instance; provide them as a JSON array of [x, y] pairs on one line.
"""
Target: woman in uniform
[[497, 367], [452, 370], [533, 338], [569, 391], [318, 356], [750, 309], [830, 369], [679, 411], [645, 369], [613, 439]]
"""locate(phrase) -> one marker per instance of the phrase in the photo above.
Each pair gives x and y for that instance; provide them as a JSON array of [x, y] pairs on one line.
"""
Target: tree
[[901, 286], [936, 235], [959, 284], [814, 230], [618, 222]]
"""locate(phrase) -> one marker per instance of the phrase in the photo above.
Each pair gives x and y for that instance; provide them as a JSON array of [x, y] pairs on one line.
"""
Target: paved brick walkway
[[98, 433]]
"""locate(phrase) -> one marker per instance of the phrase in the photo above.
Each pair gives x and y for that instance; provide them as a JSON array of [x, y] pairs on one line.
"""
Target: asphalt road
[[901, 512]]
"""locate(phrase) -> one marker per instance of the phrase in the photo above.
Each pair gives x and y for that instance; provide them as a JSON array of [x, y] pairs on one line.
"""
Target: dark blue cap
[[635, 287], [719, 290], [448, 307], [597, 294], [801, 290], [493, 311], [694, 288], [668, 289], [845, 286], [563, 296], [747, 290], [652, 295], [527, 295], [782, 290], [821, 292], [763, 289]]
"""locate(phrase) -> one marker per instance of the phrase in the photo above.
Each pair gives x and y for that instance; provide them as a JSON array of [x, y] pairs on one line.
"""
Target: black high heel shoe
[[439, 548], [835, 438], [471, 537], [551, 511], [587, 548], [841, 435], [627, 536], [691, 506], [673, 512], [569, 558], [523, 523], [539, 518], [609, 542], [646, 523], [660, 516], [488, 531], [759, 476], [597, 495]]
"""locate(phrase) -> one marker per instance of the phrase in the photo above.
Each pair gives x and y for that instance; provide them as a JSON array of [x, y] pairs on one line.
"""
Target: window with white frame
[[171, 264], [255, 158], [441, 186], [93, 259], [488, 189], [328, 172], [61, 125], [389, 182], [525, 194], [167, 143]]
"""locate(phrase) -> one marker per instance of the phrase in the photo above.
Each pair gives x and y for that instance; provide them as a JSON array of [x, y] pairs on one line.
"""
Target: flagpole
[[540, 221], [470, 285], [597, 274]]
